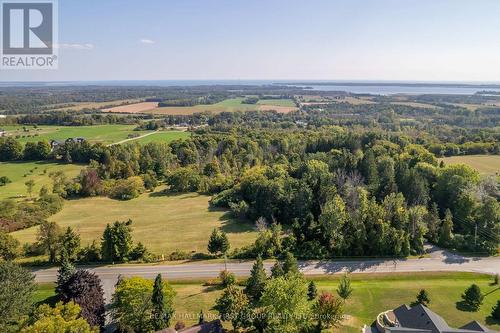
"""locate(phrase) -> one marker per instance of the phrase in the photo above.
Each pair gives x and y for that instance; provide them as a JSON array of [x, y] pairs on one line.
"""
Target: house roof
[[475, 326], [421, 319]]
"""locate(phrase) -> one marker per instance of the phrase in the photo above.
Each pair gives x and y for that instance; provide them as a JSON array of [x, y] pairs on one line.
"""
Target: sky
[[408, 40]]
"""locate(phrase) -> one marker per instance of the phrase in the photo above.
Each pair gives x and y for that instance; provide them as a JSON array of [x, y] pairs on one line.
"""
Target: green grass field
[[485, 164], [163, 223], [95, 133], [228, 105], [372, 295], [20, 172], [163, 136]]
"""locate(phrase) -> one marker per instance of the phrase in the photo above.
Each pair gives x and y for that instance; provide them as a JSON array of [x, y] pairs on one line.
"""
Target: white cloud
[[147, 41], [74, 46]]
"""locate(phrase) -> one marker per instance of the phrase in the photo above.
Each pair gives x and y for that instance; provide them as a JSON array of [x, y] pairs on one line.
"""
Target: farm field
[[20, 172], [164, 223], [372, 295], [228, 105], [133, 108], [95, 133], [485, 164], [78, 106]]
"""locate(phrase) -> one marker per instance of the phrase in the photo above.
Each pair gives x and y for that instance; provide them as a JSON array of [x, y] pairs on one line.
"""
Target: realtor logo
[[28, 34]]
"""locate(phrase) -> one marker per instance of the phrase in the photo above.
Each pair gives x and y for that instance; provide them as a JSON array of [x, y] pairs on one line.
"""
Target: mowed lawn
[[20, 172], [163, 136], [485, 164], [95, 133], [372, 295], [164, 223]]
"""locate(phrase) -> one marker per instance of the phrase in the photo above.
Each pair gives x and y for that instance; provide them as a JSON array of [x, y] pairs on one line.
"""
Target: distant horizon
[[473, 83], [351, 40]]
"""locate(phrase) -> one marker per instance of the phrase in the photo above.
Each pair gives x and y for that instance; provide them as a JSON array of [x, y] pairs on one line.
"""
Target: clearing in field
[[96, 133], [20, 172], [164, 223], [485, 164], [133, 108], [372, 295]]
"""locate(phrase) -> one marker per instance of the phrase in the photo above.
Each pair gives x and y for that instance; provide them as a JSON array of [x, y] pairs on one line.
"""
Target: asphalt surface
[[438, 262]]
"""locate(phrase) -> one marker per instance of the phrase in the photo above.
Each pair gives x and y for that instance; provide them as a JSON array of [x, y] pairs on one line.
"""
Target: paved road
[[441, 262]]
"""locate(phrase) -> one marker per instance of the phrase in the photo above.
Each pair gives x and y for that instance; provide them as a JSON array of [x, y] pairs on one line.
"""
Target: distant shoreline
[[171, 83]]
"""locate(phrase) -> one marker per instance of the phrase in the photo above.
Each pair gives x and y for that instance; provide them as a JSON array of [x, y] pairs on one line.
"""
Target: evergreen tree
[[218, 243], [290, 265], [224, 243], [116, 243], [312, 291], [387, 183], [423, 298], [201, 318], [369, 170], [70, 244], [257, 281], [473, 297], [213, 242], [159, 316], [64, 272], [495, 313], [446, 230], [433, 223], [277, 270], [107, 246], [344, 289]]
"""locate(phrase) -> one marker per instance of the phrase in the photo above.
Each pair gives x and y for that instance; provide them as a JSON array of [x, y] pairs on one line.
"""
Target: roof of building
[[421, 319]]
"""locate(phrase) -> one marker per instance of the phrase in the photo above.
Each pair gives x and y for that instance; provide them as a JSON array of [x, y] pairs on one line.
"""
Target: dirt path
[[131, 139]]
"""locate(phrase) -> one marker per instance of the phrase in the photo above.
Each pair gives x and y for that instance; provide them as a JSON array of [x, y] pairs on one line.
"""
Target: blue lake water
[[358, 87], [403, 89]]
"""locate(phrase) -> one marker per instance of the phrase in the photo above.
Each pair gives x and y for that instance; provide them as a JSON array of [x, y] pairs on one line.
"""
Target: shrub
[[227, 278], [125, 189], [473, 297], [179, 255], [4, 180]]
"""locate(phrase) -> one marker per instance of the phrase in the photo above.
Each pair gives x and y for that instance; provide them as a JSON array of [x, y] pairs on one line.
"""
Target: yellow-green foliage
[[63, 318]]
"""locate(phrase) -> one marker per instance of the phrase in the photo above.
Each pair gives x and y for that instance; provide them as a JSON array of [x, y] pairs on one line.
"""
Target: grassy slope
[[162, 223], [485, 164], [33, 170], [95, 133], [372, 295]]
